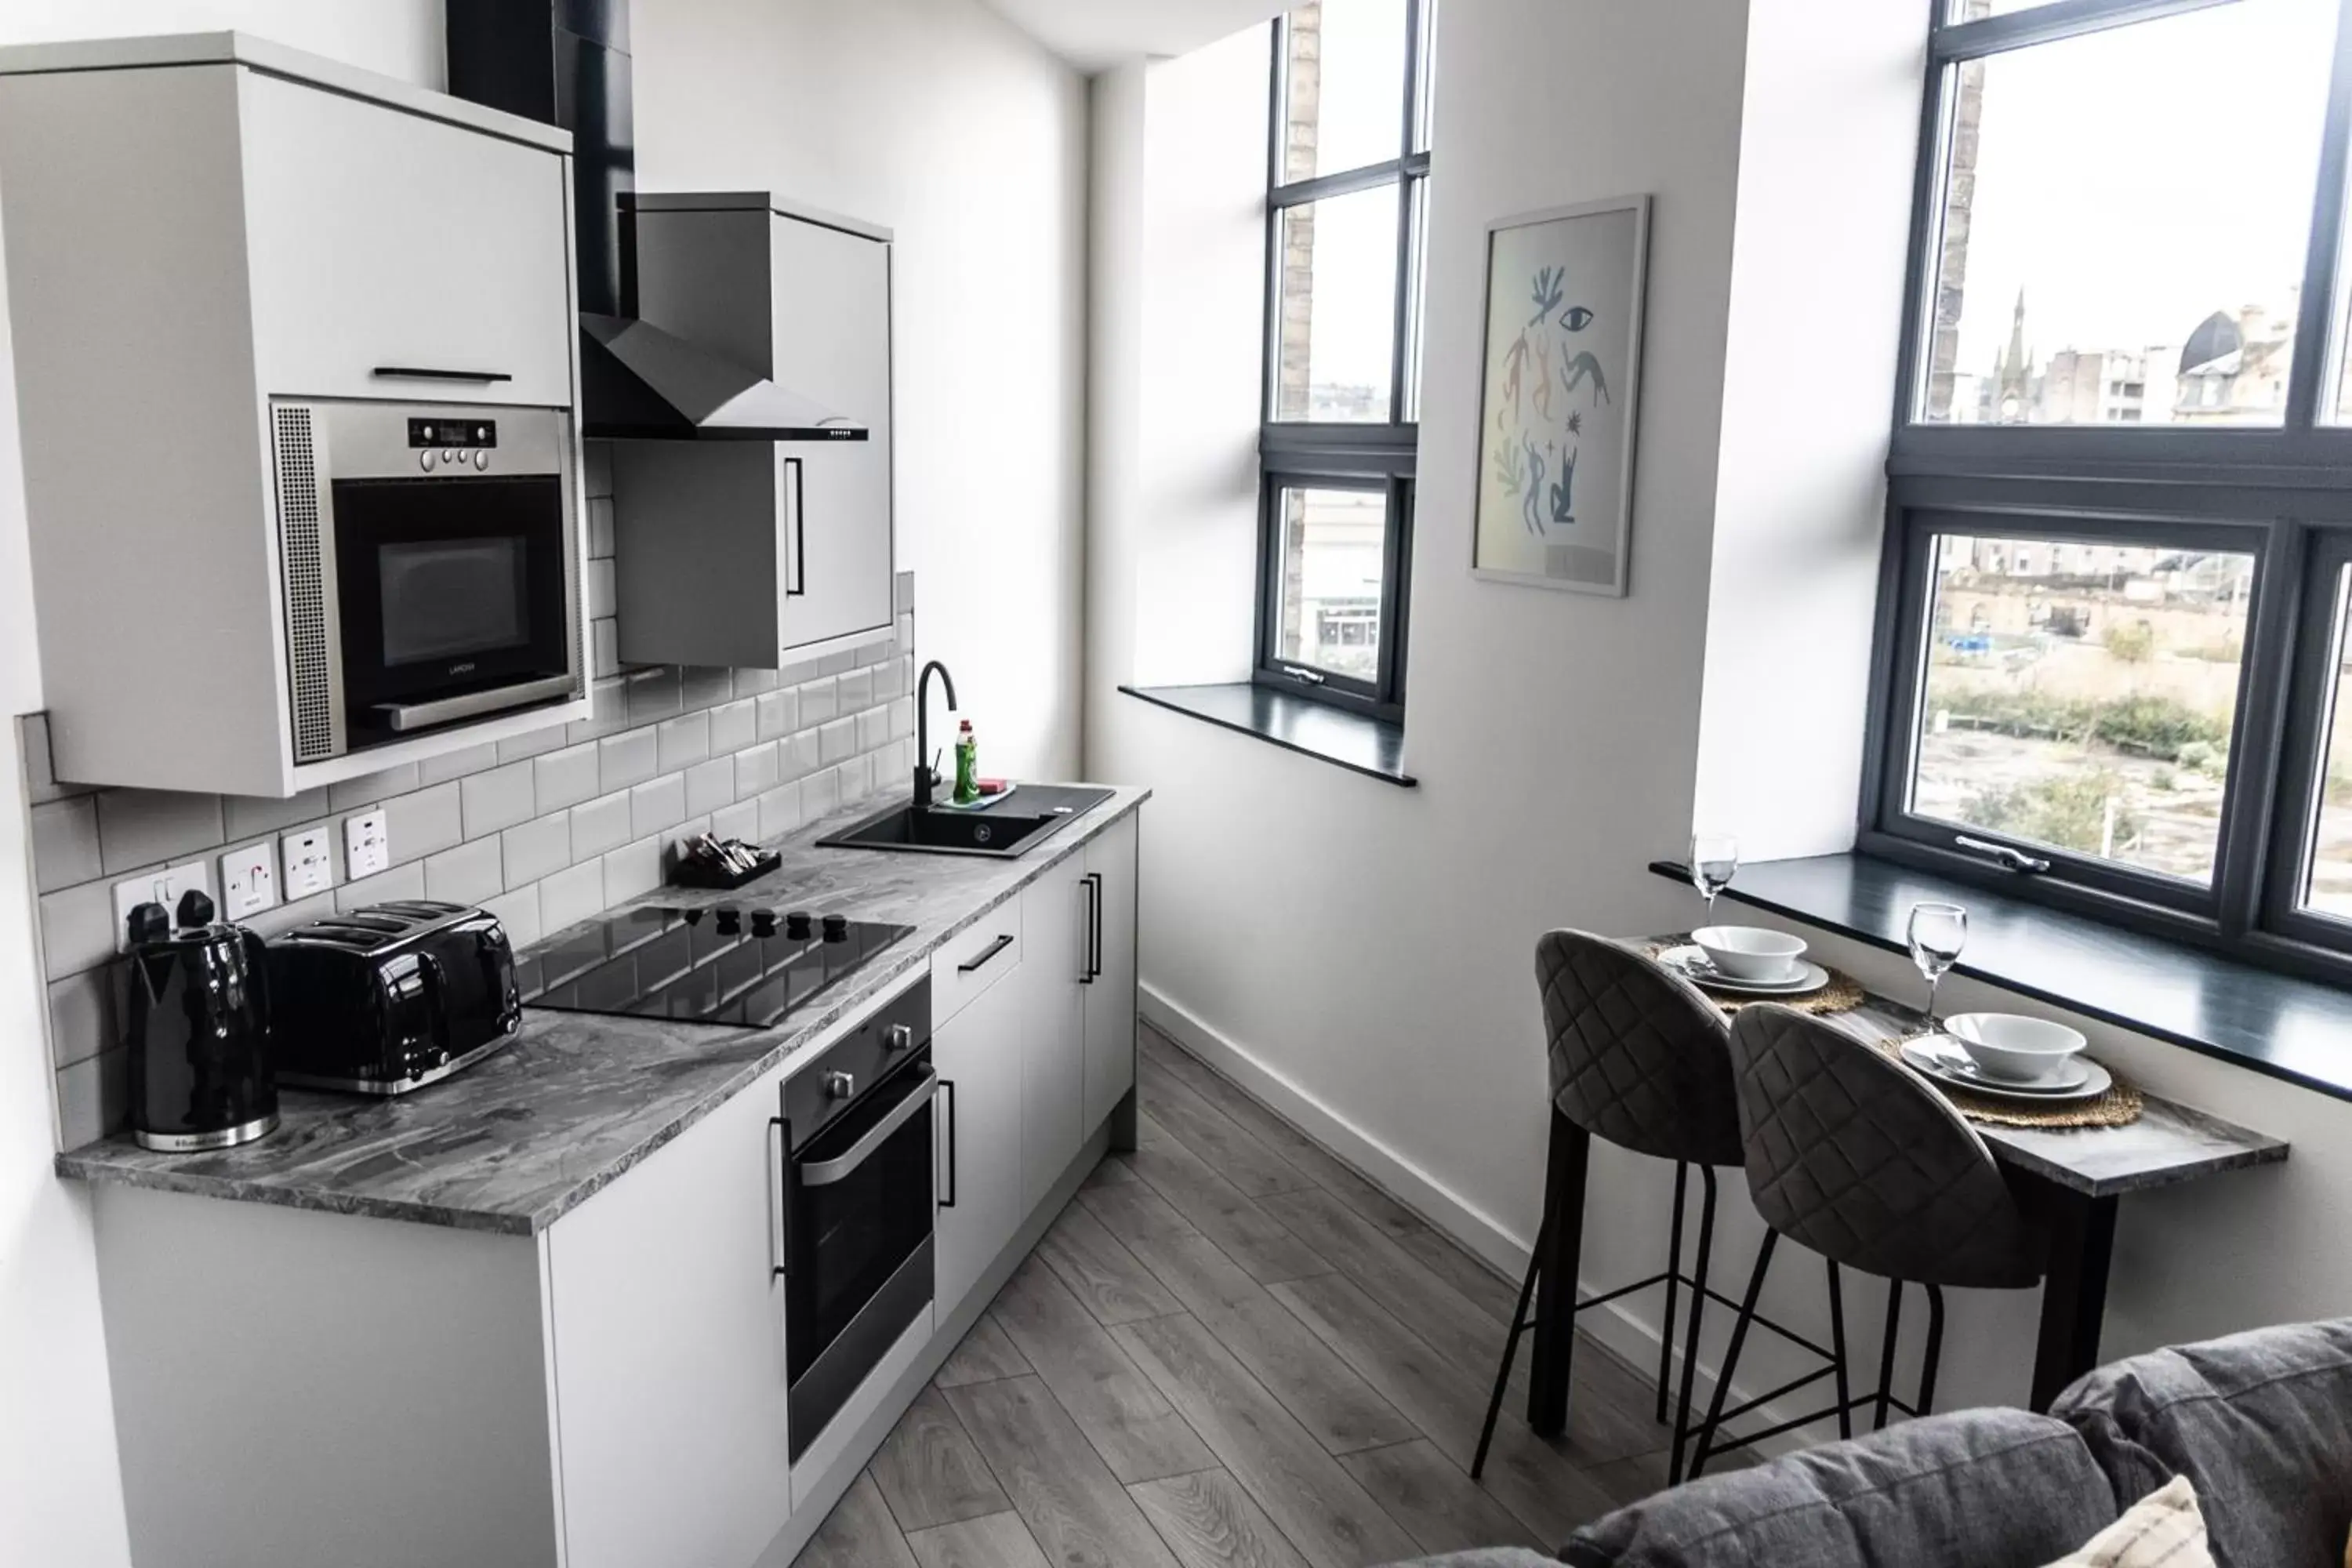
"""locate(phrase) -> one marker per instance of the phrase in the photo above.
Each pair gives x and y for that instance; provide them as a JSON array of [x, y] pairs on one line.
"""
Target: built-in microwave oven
[[431, 566]]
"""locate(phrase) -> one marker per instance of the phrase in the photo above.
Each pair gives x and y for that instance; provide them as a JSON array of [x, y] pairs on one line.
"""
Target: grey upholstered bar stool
[[1639, 1059], [1851, 1154]]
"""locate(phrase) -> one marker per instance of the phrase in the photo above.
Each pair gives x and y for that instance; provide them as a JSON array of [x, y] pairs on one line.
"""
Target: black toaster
[[392, 996]]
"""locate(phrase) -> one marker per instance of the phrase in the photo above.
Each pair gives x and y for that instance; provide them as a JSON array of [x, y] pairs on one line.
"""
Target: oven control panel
[[883, 1040], [464, 445]]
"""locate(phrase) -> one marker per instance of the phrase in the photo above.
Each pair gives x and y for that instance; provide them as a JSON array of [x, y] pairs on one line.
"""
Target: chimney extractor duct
[[566, 63]]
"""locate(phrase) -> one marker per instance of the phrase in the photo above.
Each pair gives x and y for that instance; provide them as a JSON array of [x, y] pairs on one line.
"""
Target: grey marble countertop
[[520, 1138]]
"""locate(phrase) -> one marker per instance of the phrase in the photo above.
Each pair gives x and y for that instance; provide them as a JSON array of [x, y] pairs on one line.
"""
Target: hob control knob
[[898, 1037], [840, 1085], [836, 928], [763, 922], [797, 925], [730, 918]]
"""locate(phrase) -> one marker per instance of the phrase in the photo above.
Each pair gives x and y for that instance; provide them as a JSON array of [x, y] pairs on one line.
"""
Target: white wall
[[941, 120]]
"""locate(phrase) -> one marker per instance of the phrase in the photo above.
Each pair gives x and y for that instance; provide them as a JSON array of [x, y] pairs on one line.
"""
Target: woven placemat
[[2120, 1106], [1843, 994]]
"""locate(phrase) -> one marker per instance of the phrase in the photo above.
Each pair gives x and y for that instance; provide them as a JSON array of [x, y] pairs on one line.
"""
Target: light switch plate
[[249, 881], [310, 857], [164, 887], [367, 845]]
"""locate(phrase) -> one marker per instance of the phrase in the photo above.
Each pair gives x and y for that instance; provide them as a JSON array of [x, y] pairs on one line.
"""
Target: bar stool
[[1639, 1059], [1849, 1153]]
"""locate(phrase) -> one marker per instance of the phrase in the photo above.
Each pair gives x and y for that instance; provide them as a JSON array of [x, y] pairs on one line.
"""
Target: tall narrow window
[[1346, 203]]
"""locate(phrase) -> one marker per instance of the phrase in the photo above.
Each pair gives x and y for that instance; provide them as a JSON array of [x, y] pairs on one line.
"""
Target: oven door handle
[[825, 1172], [402, 717]]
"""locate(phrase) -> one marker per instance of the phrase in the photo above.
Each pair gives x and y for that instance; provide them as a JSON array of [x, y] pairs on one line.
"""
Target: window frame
[[2283, 493], [1351, 454]]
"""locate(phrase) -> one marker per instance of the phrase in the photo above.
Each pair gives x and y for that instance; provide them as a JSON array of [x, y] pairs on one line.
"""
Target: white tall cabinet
[[802, 527]]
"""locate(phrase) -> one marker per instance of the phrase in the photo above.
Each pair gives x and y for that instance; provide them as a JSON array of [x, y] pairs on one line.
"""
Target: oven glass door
[[447, 588], [857, 1212]]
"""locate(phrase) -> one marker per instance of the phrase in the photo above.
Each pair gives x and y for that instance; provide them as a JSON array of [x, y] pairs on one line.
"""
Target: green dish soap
[[967, 779]]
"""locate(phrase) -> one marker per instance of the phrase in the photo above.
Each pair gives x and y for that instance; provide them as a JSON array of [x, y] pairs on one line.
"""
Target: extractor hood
[[566, 63]]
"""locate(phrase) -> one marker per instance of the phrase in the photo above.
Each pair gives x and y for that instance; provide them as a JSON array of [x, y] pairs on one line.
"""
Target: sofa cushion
[[2261, 1423], [2163, 1529], [1978, 1488]]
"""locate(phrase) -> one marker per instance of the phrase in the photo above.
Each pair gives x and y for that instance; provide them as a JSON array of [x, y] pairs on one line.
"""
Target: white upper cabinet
[[754, 554], [393, 255]]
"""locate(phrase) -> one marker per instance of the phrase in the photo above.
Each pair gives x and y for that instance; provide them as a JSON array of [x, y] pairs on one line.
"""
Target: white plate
[[1691, 965], [1952, 1069]]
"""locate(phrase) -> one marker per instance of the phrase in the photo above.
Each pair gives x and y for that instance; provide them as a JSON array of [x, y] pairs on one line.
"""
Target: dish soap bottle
[[967, 779]]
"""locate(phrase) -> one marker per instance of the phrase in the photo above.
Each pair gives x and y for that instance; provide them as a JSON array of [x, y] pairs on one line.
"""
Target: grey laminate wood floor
[[1234, 1352]]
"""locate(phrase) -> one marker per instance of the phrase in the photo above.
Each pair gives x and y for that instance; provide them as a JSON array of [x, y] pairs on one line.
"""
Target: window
[[2118, 568], [1345, 199]]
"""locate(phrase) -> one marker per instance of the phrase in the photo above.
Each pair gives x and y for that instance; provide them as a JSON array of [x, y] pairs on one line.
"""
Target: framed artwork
[[1557, 392]]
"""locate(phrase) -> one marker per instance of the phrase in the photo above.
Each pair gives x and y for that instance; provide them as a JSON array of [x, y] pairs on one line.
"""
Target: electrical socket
[[164, 887], [310, 859], [249, 881], [367, 845]]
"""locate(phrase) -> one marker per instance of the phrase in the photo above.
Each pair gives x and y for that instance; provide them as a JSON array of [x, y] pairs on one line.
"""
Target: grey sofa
[[2261, 1422]]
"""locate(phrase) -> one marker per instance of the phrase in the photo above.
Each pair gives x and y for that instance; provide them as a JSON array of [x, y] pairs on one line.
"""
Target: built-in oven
[[855, 1207], [430, 560]]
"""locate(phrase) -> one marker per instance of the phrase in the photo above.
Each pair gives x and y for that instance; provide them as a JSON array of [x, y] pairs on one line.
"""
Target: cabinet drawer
[[379, 239], [972, 961]]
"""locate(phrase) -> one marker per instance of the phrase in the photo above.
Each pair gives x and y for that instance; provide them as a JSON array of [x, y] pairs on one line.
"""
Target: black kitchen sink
[[1009, 827]]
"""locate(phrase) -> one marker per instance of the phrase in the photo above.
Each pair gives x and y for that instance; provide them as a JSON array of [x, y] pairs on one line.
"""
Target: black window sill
[[2296, 1030], [1363, 744]]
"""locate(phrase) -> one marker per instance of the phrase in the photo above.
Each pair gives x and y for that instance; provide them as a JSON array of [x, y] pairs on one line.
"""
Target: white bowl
[[2013, 1045], [1751, 952]]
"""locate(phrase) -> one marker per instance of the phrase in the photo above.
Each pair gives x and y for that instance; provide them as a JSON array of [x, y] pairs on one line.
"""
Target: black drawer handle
[[983, 955], [430, 372]]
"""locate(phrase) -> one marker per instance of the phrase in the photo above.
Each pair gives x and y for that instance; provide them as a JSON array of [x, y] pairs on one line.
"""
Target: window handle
[[2010, 859], [1306, 676]]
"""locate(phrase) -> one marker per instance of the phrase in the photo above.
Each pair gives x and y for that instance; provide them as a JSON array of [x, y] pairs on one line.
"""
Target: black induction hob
[[747, 967]]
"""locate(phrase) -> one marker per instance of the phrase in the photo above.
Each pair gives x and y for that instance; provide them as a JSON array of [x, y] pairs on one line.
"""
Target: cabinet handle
[[981, 959], [1094, 926], [433, 372], [780, 1185], [1086, 963], [796, 587], [947, 1092]]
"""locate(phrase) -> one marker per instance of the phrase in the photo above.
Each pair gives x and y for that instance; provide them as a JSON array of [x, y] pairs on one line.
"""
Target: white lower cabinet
[[976, 1054], [1109, 1001], [1052, 1035], [667, 1324]]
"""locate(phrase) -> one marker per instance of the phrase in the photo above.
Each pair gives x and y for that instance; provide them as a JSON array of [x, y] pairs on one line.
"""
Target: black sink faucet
[[923, 727]]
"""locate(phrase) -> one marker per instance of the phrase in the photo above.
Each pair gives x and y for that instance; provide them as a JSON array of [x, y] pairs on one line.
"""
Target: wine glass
[[1939, 932], [1714, 861]]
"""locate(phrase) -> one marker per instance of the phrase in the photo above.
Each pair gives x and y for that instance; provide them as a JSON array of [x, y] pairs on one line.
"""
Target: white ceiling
[[1092, 34]]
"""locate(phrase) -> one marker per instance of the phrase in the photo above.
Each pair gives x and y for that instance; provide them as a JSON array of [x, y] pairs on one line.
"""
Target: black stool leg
[[1886, 1353], [1673, 1278], [1698, 1305], [1934, 1349], [1706, 1432], [1510, 1350], [1837, 1348]]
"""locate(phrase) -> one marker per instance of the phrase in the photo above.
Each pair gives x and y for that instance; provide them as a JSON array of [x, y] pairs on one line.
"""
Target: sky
[[2136, 180]]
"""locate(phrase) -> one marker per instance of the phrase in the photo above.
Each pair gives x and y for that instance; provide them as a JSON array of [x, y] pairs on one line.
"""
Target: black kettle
[[200, 1071]]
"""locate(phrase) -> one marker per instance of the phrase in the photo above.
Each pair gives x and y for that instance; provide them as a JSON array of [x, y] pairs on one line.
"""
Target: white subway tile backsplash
[[656, 804], [796, 755], [600, 527], [608, 701], [653, 694], [93, 1097], [368, 788], [683, 741], [755, 771], [466, 874], [77, 930], [873, 730], [286, 916], [519, 912], [457, 765], [780, 714], [596, 588], [710, 786], [249, 816], [418, 824], [633, 870], [83, 1020], [538, 743], [570, 896], [734, 726], [779, 812], [872, 653], [740, 820], [400, 882], [629, 758], [140, 826], [752, 682], [499, 798], [889, 680], [65, 843], [856, 691], [835, 663], [603, 649], [566, 777], [902, 592], [600, 824], [819, 701], [902, 718], [596, 478], [705, 685], [536, 850], [836, 741], [819, 795], [856, 779]]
